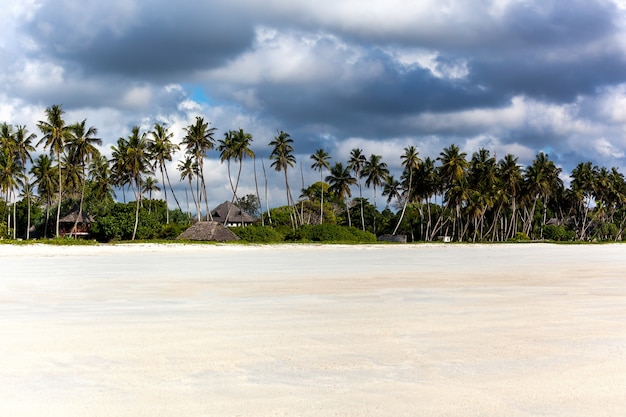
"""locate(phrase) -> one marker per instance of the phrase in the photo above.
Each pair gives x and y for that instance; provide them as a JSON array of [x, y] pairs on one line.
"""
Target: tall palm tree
[[340, 180], [198, 142], [410, 162], [452, 171], [356, 163], [82, 148], [188, 168], [282, 158], [11, 177], [510, 174], [101, 178], [46, 183], [541, 180], [236, 146], [161, 148], [23, 148], [584, 185], [55, 135], [376, 172], [133, 156], [320, 161]]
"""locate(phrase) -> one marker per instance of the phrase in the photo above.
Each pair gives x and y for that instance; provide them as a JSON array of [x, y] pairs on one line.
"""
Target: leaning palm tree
[[356, 163], [82, 147], [55, 135], [198, 141], [236, 146], [320, 161], [410, 162], [376, 172], [161, 149], [46, 183], [340, 180], [135, 159], [10, 179], [282, 158], [189, 169], [452, 171], [23, 148]]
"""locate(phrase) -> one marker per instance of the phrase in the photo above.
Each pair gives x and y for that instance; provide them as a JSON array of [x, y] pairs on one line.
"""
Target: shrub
[[558, 233], [331, 233], [259, 234], [520, 236]]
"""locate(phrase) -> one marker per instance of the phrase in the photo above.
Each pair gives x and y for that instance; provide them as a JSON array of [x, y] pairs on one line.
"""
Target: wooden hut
[[67, 222], [231, 215], [208, 231]]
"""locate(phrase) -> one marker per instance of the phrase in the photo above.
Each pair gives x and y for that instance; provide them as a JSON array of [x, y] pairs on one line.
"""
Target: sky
[[511, 76]]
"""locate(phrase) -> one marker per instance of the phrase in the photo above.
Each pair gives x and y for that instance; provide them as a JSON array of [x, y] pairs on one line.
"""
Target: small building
[[208, 231], [67, 222], [231, 215]]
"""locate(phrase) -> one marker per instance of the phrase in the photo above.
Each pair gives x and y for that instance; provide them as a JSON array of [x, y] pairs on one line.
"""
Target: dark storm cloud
[[159, 39]]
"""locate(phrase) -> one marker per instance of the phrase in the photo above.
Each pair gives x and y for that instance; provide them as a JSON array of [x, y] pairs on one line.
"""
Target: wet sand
[[306, 330]]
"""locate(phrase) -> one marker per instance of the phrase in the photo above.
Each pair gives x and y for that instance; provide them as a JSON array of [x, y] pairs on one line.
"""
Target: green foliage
[[520, 237], [260, 234], [331, 233], [606, 231], [4, 231], [558, 233]]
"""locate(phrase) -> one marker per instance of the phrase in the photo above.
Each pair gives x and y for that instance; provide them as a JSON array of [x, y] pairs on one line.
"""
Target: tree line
[[467, 198]]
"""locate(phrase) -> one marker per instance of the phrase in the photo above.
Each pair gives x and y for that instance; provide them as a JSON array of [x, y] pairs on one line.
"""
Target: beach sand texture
[[311, 330]]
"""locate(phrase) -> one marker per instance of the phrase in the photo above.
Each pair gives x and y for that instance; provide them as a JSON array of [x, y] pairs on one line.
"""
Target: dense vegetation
[[468, 198]]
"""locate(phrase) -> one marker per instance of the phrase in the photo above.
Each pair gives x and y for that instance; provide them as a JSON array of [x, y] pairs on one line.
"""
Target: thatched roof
[[210, 231], [71, 217], [236, 214]]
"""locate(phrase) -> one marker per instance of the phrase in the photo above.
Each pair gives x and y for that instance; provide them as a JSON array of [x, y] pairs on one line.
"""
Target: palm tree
[[23, 148], [46, 183], [150, 186], [282, 158], [452, 172], [510, 174], [320, 161], [376, 172], [356, 163], [340, 181], [82, 148], [161, 149], [55, 135], [410, 162], [188, 168], [198, 141], [133, 157], [392, 188], [541, 180], [584, 186], [10, 179], [101, 178], [236, 145]]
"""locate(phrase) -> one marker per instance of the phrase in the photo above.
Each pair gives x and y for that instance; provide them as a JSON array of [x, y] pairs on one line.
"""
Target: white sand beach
[[311, 330]]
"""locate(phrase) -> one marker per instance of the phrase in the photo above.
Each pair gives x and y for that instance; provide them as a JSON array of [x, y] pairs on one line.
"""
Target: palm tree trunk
[[60, 193], [258, 197], [406, 201], [80, 205], [267, 208], [167, 210], [137, 209], [167, 176]]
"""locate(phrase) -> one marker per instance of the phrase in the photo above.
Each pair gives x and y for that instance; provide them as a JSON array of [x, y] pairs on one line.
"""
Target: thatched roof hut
[[236, 216], [208, 231], [67, 222]]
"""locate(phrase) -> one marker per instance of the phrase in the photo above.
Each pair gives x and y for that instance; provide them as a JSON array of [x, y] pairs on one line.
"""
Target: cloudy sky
[[513, 76]]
